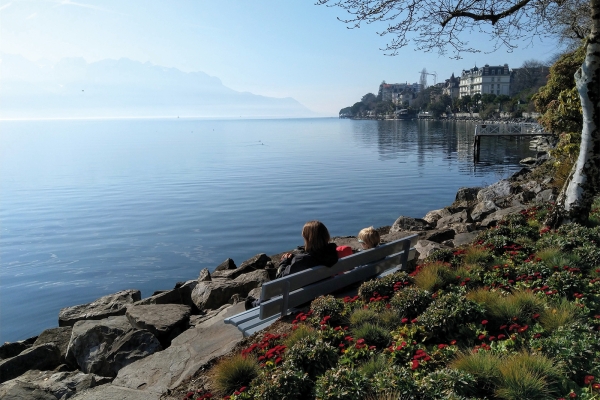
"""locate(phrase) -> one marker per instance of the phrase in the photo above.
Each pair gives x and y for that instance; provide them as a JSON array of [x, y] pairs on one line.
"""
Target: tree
[[437, 26], [369, 99]]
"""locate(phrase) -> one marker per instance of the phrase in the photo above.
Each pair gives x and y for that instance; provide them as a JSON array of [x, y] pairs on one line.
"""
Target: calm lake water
[[88, 208]]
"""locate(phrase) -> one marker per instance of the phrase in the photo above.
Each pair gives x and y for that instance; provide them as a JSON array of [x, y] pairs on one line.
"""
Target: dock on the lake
[[521, 129]]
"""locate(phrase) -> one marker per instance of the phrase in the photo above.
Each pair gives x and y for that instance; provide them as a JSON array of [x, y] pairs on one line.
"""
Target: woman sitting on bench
[[317, 251]]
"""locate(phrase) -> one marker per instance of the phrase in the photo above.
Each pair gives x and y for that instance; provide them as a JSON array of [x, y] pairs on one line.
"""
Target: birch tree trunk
[[584, 181]]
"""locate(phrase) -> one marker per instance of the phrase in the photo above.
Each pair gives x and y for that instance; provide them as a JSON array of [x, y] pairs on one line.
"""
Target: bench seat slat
[[242, 317], [256, 324]]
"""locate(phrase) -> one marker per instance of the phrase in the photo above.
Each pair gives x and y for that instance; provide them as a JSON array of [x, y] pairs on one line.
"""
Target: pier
[[522, 129]]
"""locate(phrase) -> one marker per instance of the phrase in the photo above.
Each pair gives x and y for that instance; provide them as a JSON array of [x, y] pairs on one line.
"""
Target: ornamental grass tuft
[[434, 276], [301, 332], [483, 365], [561, 313], [528, 376], [375, 365], [362, 315], [477, 256], [374, 335], [232, 373]]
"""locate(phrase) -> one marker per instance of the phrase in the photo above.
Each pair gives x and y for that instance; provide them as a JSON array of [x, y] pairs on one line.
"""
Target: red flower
[[588, 379], [243, 388], [484, 322], [452, 342], [360, 341], [277, 360], [596, 386], [415, 365], [414, 321], [501, 336], [442, 346], [404, 320], [481, 337], [572, 395]]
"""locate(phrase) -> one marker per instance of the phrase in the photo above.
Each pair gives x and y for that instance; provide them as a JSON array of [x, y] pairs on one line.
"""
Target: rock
[[532, 186], [457, 218], [524, 197], [390, 237], [45, 356], [463, 228], [466, 194], [11, 349], [439, 235], [61, 385], [528, 161], [111, 305], [190, 351], [172, 296], [492, 219], [482, 209], [186, 294], [204, 275], [214, 294], [225, 265], [545, 196], [59, 336], [499, 189], [236, 298], [433, 216], [409, 224], [258, 262], [165, 321], [464, 238], [255, 292], [426, 247], [112, 392], [98, 346]]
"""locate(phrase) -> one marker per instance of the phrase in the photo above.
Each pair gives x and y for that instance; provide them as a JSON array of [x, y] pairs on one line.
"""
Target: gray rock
[[532, 186], [92, 341], [463, 228], [45, 356], [457, 218], [524, 197], [126, 349], [465, 194], [186, 294], [214, 294], [426, 247], [409, 224], [112, 392], [165, 321], [545, 196], [439, 235], [433, 216], [111, 305], [172, 296], [59, 336], [61, 385], [528, 161], [492, 219], [204, 275], [464, 238], [482, 209], [258, 262], [190, 351], [225, 265], [499, 189], [11, 349]]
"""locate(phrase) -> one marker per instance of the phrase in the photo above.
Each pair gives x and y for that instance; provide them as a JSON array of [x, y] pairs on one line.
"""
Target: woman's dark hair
[[316, 236]]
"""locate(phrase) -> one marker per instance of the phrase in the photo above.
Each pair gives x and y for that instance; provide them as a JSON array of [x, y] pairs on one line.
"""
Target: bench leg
[[286, 297]]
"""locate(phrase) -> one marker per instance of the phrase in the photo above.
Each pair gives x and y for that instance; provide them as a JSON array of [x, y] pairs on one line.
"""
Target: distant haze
[[73, 88]]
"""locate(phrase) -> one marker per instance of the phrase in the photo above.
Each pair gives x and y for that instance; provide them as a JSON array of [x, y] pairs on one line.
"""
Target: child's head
[[368, 237], [316, 236]]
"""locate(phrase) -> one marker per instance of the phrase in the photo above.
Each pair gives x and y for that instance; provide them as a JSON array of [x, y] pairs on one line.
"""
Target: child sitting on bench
[[368, 238]]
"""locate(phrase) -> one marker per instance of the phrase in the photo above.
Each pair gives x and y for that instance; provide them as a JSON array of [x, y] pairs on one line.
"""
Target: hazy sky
[[279, 48]]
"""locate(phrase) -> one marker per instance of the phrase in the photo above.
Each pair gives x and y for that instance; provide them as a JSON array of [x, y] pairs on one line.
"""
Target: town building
[[398, 93], [452, 87], [488, 79]]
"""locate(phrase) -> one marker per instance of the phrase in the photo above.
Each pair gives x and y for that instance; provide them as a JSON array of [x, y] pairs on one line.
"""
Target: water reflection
[[451, 141]]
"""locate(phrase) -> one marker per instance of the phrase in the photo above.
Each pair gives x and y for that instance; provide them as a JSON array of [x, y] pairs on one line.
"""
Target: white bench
[[280, 296]]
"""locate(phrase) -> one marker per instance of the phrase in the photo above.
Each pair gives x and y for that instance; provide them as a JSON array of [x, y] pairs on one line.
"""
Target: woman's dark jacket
[[327, 256]]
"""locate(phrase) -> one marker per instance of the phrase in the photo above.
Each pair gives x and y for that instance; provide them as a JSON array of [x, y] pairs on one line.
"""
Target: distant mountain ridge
[[74, 88]]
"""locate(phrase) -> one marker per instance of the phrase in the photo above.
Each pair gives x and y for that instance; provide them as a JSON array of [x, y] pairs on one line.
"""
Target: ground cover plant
[[515, 315]]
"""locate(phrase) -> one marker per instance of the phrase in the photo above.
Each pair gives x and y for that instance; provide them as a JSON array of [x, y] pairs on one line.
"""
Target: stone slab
[[112, 392]]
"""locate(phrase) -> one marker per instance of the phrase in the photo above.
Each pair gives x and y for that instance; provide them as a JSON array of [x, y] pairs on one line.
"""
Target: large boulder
[[466, 194], [45, 356], [11, 349], [107, 306], [499, 189], [213, 294], [37, 384], [492, 219], [165, 321], [426, 247], [204, 275], [59, 336], [439, 235], [172, 296], [433, 216], [545, 196], [101, 347], [225, 265], [482, 209], [409, 224], [456, 218], [258, 262]]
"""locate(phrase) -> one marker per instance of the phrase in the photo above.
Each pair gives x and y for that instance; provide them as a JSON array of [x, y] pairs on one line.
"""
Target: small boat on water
[[402, 114]]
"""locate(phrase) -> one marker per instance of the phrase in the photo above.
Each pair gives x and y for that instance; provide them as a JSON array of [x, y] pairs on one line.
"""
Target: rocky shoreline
[[123, 346]]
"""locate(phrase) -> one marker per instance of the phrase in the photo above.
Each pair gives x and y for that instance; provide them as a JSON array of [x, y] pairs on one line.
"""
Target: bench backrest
[[275, 294]]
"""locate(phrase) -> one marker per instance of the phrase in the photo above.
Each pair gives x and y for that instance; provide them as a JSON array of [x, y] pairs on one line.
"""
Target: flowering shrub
[[341, 383], [447, 383], [449, 316], [312, 356], [411, 301], [384, 286], [282, 383], [327, 306]]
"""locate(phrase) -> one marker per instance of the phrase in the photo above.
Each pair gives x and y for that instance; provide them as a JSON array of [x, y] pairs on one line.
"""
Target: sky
[[278, 48]]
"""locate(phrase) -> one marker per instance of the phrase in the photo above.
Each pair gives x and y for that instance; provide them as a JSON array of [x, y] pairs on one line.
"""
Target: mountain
[[73, 88]]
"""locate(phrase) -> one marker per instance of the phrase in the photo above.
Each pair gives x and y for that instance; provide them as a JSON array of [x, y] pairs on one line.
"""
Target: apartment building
[[493, 79]]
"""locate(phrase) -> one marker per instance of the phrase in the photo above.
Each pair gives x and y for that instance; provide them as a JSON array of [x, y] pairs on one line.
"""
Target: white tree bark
[[585, 178]]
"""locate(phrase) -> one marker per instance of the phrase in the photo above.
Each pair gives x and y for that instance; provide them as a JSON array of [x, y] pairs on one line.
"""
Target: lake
[[91, 207]]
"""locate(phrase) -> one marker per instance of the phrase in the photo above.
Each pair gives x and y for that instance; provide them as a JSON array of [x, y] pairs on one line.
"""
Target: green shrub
[[434, 276], [312, 355], [328, 306], [232, 373], [447, 383], [374, 335], [382, 286], [394, 381], [448, 317], [362, 315], [552, 256], [559, 314], [301, 332], [441, 255], [411, 301], [374, 365], [282, 383], [527, 376], [341, 383]]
